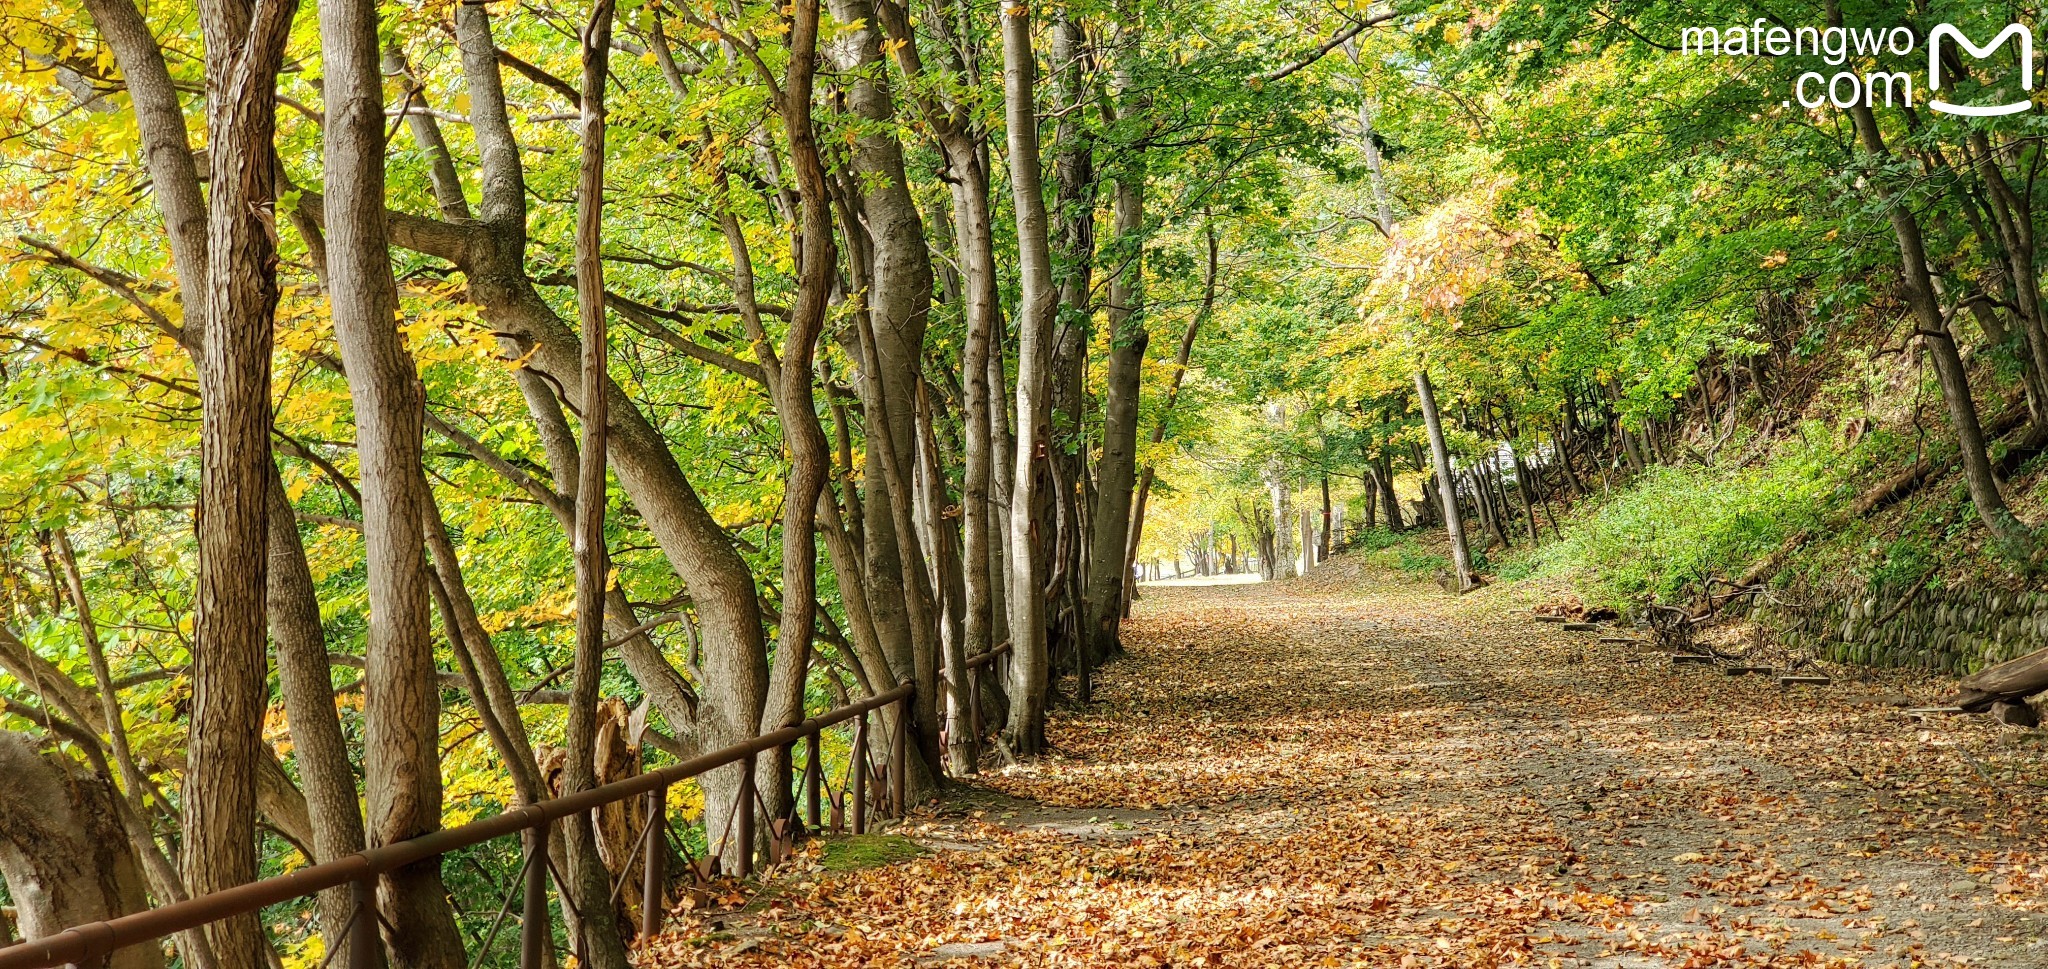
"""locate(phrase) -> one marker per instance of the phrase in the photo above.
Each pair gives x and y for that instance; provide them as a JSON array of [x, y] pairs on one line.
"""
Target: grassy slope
[[1668, 531]]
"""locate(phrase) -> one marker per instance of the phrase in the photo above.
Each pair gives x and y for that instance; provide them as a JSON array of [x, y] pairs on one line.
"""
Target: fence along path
[[84, 944]]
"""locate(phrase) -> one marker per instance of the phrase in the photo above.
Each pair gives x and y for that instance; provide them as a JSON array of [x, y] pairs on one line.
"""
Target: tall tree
[[1037, 303], [244, 49], [402, 735]]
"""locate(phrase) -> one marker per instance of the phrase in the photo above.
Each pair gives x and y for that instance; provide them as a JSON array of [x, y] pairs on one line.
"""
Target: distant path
[[1353, 769]]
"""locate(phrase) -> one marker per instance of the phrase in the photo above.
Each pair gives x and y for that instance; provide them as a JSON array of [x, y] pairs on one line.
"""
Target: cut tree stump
[[1581, 627], [1804, 681]]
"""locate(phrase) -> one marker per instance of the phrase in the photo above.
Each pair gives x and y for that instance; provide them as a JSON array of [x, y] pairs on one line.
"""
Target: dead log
[[1903, 484], [2013, 680]]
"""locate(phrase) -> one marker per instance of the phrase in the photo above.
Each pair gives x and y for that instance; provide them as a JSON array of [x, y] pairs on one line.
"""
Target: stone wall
[[1953, 631]]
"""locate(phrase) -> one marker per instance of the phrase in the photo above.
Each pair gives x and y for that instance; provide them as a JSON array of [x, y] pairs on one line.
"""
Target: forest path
[[1354, 769]]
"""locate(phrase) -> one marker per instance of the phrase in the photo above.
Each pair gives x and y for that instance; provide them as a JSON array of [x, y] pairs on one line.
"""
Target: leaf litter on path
[[1352, 769]]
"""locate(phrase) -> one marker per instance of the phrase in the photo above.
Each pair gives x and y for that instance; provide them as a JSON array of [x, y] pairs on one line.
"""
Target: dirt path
[[1353, 769]]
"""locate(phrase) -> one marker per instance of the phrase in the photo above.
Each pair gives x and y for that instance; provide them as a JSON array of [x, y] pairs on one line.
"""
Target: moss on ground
[[855, 852]]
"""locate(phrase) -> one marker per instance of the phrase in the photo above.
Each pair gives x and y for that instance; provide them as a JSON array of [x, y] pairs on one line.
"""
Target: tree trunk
[[1073, 502], [63, 856], [303, 678], [978, 511], [1283, 551], [1390, 501], [1117, 470], [1461, 556], [899, 304], [1030, 664], [293, 611], [1949, 369], [1323, 542], [1180, 371], [244, 46], [588, 887], [1308, 541], [1527, 489], [793, 384], [492, 256], [401, 744]]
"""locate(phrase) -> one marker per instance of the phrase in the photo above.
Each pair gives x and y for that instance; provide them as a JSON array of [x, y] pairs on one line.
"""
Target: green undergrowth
[[1674, 527], [1665, 532], [1404, 552]]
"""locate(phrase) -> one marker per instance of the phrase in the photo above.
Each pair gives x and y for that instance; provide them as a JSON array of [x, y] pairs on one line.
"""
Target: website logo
[[2026, 39], [1837, 45]]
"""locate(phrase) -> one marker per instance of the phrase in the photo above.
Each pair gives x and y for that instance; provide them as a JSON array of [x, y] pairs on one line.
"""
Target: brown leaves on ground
[[1353, 770]]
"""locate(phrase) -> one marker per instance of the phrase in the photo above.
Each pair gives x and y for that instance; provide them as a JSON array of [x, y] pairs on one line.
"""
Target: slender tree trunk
[[1180, 370], [978, 512], [489, 688], [1372, 495], [1030, 665], [492, 256], [1283, 551], [1527, 489], [293, 612], [1461, 555], [1388, 499], [1561, 440], [402, 732], [1002, 458], [1323, 543], [2013, 214], [796, 383], [244, 48], [1111, 521], [318, 746], [589, 883], [1949, 368], [1072, 502], [898, 296]]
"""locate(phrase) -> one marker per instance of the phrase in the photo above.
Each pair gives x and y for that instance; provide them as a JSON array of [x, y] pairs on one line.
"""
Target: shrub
[[1674, 527]]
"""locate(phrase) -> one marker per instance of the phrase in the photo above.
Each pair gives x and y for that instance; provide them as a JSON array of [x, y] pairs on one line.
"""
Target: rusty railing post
[[536, 937], [898, 752], [860, 775], [362, 932], [814, 779], [743, 865], [654, 865]]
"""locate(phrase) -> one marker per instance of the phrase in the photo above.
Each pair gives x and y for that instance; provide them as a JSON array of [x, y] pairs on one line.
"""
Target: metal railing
[[81, 945]]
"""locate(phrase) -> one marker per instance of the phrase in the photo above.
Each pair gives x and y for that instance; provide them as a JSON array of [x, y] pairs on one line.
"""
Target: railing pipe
[[536, 935], [898, 750], [654, 865], [362, 931], [860, 775], [814, 778]]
